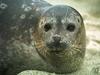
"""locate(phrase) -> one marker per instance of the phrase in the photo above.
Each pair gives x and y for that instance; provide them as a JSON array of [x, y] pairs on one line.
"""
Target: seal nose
[[56, 38]]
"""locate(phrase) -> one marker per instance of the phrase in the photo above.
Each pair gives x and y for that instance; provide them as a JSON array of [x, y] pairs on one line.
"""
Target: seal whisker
[[40, 36]]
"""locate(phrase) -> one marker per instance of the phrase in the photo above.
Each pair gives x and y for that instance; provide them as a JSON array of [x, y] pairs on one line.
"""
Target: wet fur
[[22, 46]]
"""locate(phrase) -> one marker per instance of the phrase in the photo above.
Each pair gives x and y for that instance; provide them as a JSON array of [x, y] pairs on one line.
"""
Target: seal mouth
[[56, 46]]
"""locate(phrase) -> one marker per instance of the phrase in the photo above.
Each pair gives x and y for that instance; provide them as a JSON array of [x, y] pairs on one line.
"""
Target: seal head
[[60, 38]]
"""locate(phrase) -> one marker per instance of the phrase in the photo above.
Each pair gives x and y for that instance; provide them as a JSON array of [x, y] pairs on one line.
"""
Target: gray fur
[[20, 20]]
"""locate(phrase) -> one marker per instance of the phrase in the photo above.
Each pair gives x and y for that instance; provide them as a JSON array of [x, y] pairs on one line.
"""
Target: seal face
[[33, 30], [60, 38]]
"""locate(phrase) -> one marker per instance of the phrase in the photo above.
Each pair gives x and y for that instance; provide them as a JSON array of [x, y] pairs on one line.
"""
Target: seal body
[[34, 35]]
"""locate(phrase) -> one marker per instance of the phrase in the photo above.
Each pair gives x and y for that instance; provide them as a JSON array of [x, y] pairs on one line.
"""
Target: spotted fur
[[23, 39]]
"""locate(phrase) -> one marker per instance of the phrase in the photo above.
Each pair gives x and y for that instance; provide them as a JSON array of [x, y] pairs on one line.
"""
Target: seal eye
[[47, 27], [70, 27]]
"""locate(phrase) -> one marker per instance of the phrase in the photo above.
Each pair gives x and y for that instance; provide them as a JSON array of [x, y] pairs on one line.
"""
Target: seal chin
[[56, 46]]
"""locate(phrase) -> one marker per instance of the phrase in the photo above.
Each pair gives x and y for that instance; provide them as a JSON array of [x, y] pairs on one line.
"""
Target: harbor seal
[[61, 38], [35, 35]]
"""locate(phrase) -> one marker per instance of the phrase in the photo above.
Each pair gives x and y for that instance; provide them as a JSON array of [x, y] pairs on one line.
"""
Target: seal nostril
[[56, 38]]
